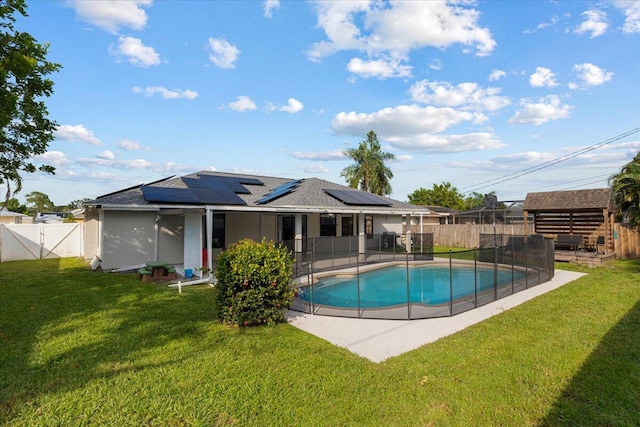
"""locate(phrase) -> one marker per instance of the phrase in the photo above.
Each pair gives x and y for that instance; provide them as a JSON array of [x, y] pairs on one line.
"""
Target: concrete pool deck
[[378, 340]]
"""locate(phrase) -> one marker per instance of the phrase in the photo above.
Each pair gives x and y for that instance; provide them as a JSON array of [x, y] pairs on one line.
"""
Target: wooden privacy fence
[[626, 242], [465, 235], [40, 241]]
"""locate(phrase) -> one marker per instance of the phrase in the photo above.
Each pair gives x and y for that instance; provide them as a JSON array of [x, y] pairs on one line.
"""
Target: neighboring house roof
[[6, 212], [250, 192], [566, 201]]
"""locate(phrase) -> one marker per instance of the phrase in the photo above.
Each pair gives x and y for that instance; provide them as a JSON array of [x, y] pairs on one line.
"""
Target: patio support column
[[156, 237], [361, 234], [192, 241], [408, 237], [607, 231], [298, 233], [209, 220]]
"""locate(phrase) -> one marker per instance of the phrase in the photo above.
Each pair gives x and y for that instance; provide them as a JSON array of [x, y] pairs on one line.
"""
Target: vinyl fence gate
[[40, 241]]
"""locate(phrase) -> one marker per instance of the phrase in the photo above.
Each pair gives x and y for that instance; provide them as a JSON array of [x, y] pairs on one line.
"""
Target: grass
[[84, 348]]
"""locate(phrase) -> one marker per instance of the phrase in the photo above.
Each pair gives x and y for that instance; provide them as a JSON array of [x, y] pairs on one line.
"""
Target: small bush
[[253, 283]]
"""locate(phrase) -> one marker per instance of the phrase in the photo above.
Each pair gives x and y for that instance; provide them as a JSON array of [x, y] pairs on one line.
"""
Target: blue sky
[[486, 95]]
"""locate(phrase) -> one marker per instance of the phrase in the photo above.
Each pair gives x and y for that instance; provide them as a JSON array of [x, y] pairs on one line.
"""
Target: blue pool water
[[385, 287]]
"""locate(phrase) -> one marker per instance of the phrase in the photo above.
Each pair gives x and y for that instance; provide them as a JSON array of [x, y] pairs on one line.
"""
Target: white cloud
[[243, 103], [128, 145], [320, 156], [110, 15], [106, 155], [76, 133], [135, 52], [293, 106], [543, 77], [631, 11], [400, 120], [430, 143], [53, 158], [134, 164], [496, 75], [553, 21], [393, 29], [592, 75], [269, 6], [166, 93], [467, 96], [435, 64], [313, 169], [402, 158], [541, 111], [413, 128], [595, 23], [97, 161], [379, 68], [529, 157], [222, 53]]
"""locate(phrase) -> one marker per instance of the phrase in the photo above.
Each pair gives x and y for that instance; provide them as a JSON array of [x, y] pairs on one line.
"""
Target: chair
[[600, 242]]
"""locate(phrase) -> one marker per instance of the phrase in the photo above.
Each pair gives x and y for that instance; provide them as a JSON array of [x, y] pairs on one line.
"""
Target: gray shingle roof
[[565, 201], [308, 194]]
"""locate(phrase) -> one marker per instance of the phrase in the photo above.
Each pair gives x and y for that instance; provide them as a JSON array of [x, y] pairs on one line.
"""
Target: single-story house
[[188, 220], [8, 217]]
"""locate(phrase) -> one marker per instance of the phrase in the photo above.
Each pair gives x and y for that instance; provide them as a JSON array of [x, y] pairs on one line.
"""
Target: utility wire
[[550, 163], [573, 182]]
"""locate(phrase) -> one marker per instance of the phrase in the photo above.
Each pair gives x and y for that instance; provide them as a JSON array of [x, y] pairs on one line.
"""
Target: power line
[[550, 163], [573, 182]]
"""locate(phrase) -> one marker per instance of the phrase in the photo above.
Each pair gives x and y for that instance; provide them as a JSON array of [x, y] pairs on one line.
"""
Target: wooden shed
[[587, 213]]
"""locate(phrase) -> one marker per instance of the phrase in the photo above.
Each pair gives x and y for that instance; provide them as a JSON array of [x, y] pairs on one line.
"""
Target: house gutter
[[309, 209], [269, 209]]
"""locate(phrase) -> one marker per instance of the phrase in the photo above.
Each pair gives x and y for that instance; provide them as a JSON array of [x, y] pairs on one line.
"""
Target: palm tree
[[626, 191], [369, 172]]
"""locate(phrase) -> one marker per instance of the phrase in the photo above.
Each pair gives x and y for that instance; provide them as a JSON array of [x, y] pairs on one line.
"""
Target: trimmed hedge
[[253, 283]]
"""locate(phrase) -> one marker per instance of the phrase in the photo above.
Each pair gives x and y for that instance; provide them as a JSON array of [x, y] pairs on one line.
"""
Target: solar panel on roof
[[195, 183], [357, 198], [249, 181], [287, 185], [191, 196], [222, 183], [156, 194], [236, 187], [279, 191], [214, 197], [183, 195]]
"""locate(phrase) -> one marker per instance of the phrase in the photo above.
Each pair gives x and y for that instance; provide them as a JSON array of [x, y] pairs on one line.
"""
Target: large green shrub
[[253, 283]]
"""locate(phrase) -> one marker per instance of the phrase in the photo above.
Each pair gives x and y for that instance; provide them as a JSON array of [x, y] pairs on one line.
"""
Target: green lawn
[[85, 348]]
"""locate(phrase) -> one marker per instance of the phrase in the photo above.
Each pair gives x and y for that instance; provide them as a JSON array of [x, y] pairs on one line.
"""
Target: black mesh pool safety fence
[[386, 277]]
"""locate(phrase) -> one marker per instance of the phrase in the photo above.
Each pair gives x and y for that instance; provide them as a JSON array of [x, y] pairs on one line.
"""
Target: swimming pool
[[388, 287]]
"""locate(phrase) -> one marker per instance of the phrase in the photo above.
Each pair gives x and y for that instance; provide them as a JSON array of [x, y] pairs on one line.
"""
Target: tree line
[[37, 201]]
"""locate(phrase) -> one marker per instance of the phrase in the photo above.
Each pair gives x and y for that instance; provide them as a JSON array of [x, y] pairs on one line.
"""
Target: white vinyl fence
[[40, 241]]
